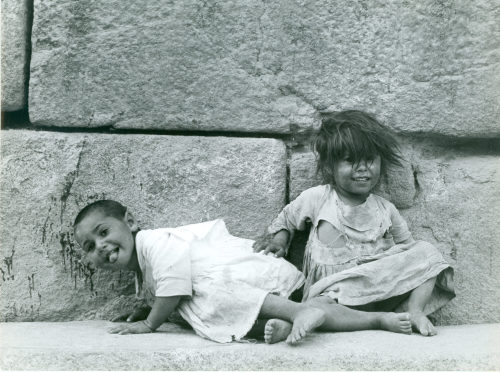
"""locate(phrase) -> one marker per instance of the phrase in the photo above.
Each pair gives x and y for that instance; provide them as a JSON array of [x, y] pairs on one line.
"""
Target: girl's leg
[[304, 318], [419, 297], [340, 318]]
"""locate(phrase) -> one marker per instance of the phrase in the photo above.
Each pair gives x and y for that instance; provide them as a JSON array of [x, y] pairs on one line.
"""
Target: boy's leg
[[341, 318], [419, 297], [304, 319]]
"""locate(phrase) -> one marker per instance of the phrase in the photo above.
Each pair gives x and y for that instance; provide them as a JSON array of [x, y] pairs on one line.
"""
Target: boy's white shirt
[[185, 235], [196, 230]]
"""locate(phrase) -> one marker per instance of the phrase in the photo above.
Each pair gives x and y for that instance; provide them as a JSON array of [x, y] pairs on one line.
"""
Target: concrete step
[[86, 345]]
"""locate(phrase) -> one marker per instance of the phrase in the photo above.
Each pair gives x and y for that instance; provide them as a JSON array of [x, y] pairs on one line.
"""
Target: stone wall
[[194, 110]]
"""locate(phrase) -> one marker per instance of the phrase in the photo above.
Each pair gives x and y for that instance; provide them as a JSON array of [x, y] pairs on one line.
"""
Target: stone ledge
[[86, 345]]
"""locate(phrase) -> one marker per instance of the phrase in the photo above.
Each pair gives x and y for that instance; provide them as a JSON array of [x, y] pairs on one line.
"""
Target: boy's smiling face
[[108, 242]]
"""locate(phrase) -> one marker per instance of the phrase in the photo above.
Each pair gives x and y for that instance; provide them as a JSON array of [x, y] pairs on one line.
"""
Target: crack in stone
[[453, 253], [432, 232], [258, 66], [288, 90], [69, 181], [416, 184]]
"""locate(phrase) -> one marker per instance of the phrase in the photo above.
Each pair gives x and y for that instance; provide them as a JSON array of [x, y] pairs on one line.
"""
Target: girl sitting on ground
[[362, 266]]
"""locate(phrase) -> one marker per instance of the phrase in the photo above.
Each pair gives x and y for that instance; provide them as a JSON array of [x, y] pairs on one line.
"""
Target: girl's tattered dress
[[366, 264], [222, 281]]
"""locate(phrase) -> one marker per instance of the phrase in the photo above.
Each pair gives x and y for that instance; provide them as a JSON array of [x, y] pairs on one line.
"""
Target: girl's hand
[[138, 314], [275, 245], [130, 328], [270, 247]]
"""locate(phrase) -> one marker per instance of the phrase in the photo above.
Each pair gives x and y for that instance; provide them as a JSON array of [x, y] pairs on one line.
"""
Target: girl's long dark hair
[[355, 135]]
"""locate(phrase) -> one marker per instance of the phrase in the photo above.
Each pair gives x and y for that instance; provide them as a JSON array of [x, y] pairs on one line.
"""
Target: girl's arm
[[293, 217], [162, 308], [399, 229], [277, 245]]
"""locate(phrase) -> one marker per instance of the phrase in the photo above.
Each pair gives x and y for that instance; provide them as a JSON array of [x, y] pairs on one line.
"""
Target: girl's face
[[354, 181], [108, 242]]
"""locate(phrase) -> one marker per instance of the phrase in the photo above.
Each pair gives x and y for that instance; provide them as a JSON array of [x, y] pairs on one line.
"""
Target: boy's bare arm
[[140, 313], [162, 308], [160, 311]]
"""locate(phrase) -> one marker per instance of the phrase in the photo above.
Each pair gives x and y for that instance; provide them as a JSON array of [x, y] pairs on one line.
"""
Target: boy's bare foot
[[396, 322], [276, 330], [305, 321], [422, 324]]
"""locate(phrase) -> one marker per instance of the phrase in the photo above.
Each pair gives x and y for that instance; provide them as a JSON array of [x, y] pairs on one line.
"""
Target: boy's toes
[[297, 334], [302, 333], [423, 325], [404, 316], [430, 330], [406, 328], [276, 330], [291, 340]]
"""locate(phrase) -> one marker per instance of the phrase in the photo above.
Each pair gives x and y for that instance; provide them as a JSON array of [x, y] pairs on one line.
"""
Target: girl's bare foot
[[276, 330], [305, 321], [396, 322], [422, 324]]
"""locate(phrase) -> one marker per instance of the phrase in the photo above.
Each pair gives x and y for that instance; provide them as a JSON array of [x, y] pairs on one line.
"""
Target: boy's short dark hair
[[109, 208], [357, 135]]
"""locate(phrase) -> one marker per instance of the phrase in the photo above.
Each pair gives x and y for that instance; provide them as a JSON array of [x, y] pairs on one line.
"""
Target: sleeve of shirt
[[303, 209], [170, 263], [399, 228]]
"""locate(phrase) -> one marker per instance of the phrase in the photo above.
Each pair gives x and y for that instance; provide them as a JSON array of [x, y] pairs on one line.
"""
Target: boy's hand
[[138, 314], [270, 247], [130, 328]]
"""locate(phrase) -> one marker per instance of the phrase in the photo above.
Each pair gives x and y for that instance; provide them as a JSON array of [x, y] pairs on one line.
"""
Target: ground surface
[[87, 346]]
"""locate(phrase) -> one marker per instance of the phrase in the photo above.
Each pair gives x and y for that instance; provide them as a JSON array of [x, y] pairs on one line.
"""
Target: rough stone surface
[[14, 41], [87, 346], [253, 66], [47, 177], [448, 194]]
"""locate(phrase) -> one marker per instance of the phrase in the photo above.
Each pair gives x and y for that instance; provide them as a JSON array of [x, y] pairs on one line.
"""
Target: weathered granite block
[[15, 39], [253, 66], [450, 196], [165, 180], [169, 65]]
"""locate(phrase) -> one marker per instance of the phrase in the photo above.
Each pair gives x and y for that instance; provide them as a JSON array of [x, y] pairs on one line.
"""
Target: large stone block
[[450, 196], [15, 39], [169, 65], [253, 66], [165, 180]]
